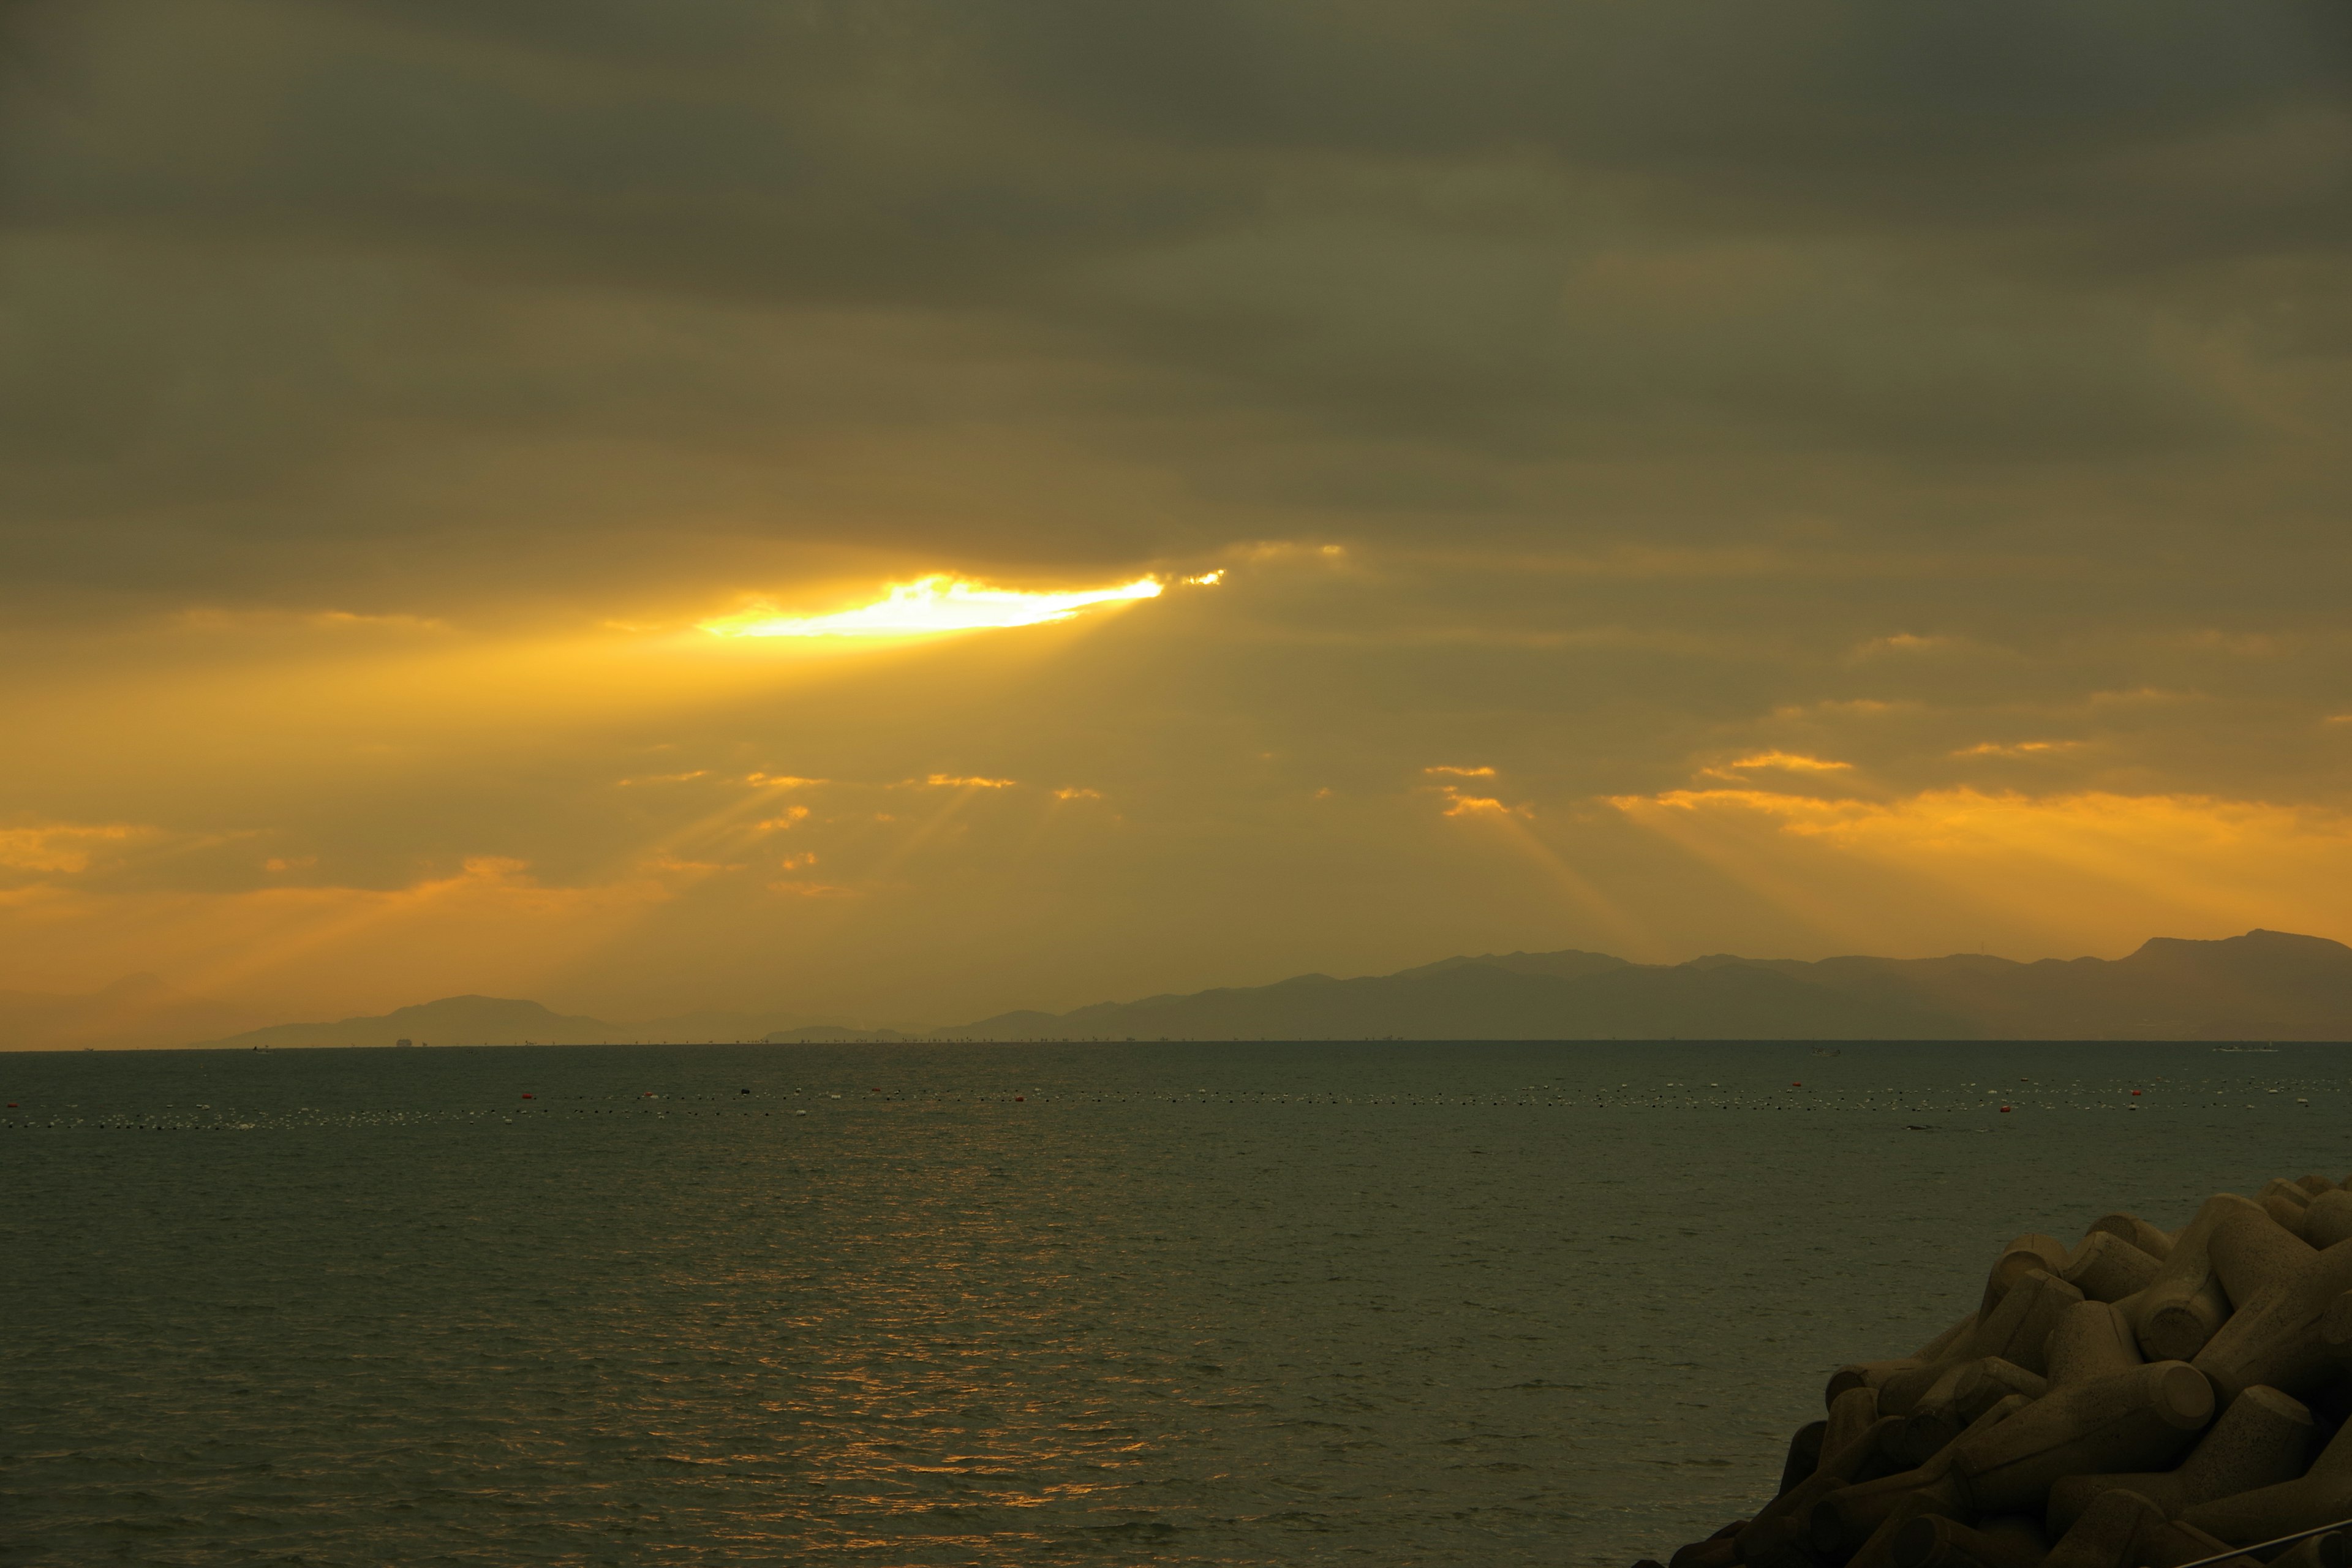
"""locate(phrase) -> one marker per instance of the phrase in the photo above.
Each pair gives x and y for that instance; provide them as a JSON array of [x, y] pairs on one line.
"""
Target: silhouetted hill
[[2262, 985]]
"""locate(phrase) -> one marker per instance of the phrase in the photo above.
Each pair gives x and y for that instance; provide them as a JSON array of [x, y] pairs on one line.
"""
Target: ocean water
[[1383, 1304]]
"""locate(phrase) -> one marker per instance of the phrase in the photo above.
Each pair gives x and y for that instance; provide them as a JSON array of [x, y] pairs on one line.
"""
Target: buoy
[[1793, 1084], [526, 1097], [2135, 1094], [1020, 1100], [2004, 1110]]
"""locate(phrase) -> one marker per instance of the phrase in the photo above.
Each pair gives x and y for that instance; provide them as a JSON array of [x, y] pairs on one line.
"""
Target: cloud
[[2082, 860], [1786, 761], [390, 388], [930, 606], [2015, 748], [63, 848], [1460, 804], [1479, 773], [687, 776], [1905, 643]]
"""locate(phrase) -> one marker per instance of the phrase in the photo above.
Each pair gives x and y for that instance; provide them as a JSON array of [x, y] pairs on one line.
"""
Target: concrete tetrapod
[[1873, 1373], [1781, 1521], [2092, 1340], [2157, 1244], [1854, 1413], [1716, 1552], [2262, 1439], [2185, 1303], [2135, 1418], [1932, 1540], [2125, 1529], [2139, 1417], [2036, 1407], [2028, 1252], [2329, 1219], [2282, 1287], [1804, 1454], [1965, 1393], [2105, 1268], [2017, 1534], [2330, 1551], [2288, 1203], [2322, 1495], [2015, 1332], [1863, 1517]]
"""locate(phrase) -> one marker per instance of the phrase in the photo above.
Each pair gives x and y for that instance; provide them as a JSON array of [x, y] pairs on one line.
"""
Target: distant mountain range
[[144, 1013], [2264, 986]]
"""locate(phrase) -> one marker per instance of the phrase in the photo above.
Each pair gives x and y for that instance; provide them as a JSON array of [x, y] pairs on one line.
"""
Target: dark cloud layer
[[1949, 390]]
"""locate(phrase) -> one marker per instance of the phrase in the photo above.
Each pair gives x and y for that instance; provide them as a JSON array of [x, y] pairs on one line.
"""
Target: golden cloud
[[1460, 804], [2015, 749], [63, 848], [1794, 762], [928, 606]]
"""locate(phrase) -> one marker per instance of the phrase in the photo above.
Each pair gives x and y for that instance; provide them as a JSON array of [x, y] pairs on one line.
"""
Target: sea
[[1280, 1303]]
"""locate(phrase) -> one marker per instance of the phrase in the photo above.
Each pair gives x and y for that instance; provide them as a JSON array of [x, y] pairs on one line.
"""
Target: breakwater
[[2142, 1398]]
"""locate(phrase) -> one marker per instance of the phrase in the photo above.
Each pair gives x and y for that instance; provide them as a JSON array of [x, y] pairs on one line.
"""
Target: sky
[[1662, 478]]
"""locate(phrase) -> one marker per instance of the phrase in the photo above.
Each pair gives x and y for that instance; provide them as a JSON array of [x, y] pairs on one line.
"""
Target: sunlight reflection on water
[[1213, 1304]]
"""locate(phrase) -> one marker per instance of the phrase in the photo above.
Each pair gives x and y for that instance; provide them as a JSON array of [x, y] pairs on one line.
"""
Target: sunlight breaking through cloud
[[928, 606]]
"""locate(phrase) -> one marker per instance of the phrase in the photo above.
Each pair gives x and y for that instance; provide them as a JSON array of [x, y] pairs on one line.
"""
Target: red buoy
[[2004, 1110], [1020, 1100], [526, 1097]]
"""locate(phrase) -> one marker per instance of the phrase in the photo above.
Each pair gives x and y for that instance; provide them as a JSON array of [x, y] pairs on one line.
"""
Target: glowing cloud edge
[[930, 606]]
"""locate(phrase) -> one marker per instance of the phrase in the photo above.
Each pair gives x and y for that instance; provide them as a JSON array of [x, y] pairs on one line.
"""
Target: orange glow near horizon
[[930, 606]]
